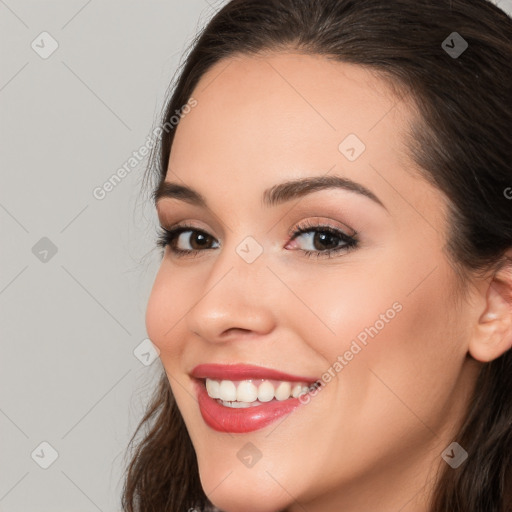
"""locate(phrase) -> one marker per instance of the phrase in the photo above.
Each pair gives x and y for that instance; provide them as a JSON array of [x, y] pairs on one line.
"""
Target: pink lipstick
[[277, 395]]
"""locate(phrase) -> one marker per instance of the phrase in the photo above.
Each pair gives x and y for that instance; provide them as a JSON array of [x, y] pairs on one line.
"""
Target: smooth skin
[[372, 438]]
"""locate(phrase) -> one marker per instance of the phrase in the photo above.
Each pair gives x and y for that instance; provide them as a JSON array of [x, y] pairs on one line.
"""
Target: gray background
[[69, 325], [73, 372]]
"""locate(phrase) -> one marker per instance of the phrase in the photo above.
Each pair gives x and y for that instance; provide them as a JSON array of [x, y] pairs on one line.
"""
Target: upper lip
[[244, 372]]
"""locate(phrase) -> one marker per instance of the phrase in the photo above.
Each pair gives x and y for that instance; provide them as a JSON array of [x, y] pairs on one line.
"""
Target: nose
[[235, 299]]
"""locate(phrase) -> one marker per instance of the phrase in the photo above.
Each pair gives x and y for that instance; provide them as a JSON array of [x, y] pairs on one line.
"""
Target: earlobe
[[492, 336]]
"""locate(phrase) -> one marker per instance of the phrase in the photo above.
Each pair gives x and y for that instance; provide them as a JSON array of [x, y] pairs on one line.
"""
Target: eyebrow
[[273, 196]]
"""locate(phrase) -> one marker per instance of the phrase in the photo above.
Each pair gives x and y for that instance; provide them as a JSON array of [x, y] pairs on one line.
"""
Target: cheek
[[162, 312], [344, 305], [393, 328], [411, 362]]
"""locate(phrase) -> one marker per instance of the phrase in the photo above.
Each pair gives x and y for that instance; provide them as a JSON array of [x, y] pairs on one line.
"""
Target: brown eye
[[324, 240], [185, 240], [197, 240]]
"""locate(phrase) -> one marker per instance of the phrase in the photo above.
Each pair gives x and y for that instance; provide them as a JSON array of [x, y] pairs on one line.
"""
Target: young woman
[[333, 308]]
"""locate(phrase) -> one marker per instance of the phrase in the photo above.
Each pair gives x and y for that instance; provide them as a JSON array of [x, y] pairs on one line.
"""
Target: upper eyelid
[[308, 224], [297, 226], [164, 210]]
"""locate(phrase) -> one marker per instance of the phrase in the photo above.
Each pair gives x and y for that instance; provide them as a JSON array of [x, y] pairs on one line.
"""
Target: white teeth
[[253, 391], [246, 391], [227, 391], [236, 405], [265, 391], [295, 390], [212, 386], [283, 391]]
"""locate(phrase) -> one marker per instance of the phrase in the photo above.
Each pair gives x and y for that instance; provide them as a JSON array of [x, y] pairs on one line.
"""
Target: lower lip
[[242, 420]]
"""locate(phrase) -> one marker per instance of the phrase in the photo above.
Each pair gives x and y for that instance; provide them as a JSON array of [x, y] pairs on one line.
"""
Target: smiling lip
[[244, 372], [243, 420]]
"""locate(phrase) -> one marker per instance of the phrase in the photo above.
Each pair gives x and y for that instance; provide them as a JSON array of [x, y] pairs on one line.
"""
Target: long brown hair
[[462, 144]]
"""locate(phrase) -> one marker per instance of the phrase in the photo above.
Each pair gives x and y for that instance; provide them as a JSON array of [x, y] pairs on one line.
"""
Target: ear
[[492, 336]]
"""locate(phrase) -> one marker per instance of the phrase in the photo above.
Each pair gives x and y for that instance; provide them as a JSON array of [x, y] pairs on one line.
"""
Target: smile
[[252, 392], [244, 398]]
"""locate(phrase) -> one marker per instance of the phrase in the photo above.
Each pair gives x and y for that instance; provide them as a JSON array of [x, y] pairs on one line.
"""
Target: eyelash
[[167, 237]]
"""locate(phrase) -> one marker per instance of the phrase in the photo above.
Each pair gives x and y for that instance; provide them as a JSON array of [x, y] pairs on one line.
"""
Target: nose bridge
[[243, 263], [234, 295]]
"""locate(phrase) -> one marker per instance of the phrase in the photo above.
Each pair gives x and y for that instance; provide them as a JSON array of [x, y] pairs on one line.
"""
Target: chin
[[243, 490]]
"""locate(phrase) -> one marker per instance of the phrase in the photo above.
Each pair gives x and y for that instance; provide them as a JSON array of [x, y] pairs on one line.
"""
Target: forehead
[[289, 103], [265, 118]]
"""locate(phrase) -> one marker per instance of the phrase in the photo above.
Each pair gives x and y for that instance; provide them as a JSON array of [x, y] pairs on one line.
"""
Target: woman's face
[[375, 322]]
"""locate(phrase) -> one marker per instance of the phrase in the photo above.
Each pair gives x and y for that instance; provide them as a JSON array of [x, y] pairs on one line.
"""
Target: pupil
[[322, 236], [199, 240]]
